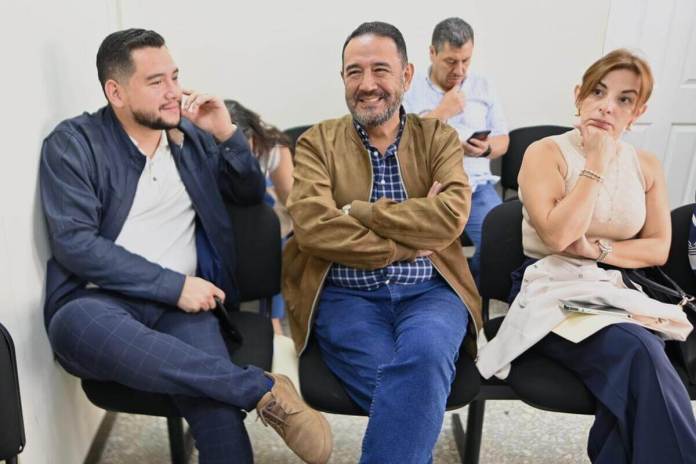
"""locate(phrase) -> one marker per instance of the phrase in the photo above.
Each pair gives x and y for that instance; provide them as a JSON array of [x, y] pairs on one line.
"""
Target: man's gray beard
[[367, 120], [155, 123]]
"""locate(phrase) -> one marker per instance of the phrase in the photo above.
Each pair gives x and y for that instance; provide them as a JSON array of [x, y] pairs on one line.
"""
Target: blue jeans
[[484, 199], [394, 349], [153, 347]]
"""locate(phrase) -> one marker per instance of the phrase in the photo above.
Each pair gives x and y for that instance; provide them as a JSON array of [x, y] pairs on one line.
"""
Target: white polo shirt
[[161, 224]]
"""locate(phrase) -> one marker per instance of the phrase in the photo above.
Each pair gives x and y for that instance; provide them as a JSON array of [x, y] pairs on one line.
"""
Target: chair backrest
[[520, 139], [12, 437], [501, 250], [294, 133], [677, 266], [257, 239]]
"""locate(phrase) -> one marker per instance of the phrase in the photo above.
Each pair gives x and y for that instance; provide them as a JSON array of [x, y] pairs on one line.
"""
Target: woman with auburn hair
[[590, 198]]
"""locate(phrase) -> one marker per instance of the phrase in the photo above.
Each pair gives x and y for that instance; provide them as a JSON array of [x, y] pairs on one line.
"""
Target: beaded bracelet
[[591, 175]]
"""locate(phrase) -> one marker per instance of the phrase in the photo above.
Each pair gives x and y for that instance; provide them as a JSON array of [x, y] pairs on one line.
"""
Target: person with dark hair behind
[[374, 270], [272, 148], [142, 248]]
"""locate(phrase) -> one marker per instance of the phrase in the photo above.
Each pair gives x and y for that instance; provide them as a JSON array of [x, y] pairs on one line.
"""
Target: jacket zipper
[[311, 311], [468, 310]]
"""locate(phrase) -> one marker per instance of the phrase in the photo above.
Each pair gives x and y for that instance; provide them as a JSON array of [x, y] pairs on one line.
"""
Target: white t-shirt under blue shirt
[[482, 111], [161, 224]]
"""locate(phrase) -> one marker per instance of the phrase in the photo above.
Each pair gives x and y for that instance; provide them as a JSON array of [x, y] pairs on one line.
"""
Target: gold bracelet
[[591, 175]]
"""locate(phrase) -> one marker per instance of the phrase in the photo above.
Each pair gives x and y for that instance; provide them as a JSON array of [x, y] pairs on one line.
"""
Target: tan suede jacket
[[333, 169]]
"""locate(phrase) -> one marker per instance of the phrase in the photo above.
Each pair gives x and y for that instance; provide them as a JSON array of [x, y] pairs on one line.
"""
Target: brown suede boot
[[304, 430]]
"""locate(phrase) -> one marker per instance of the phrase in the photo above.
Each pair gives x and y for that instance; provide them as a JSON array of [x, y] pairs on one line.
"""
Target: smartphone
[[227, 323], [592, 308], [479, 135]]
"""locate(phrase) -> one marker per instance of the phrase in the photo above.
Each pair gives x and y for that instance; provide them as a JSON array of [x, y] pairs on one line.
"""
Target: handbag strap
[[673, 291]]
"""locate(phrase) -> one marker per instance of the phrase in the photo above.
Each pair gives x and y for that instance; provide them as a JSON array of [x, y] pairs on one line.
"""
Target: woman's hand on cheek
[[599, 146]]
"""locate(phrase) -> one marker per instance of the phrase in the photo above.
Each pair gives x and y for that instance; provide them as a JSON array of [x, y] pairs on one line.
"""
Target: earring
[[577, 112], [630, 126]]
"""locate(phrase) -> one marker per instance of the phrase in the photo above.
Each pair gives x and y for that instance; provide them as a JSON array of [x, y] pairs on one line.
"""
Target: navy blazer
[[89, 173]]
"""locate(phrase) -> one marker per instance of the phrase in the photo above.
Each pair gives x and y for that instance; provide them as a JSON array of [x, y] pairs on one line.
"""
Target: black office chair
[[534, 379], [520, 139], [679, 269], [256, 231], [294, 133], [677, 265], [322, 390], [12, 438]]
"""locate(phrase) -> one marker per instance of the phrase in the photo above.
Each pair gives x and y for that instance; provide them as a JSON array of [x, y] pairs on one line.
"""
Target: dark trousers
[[643, 410], [156, 348]]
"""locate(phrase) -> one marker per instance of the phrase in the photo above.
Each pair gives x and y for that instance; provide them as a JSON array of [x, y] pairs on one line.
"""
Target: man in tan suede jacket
[[375, 268]]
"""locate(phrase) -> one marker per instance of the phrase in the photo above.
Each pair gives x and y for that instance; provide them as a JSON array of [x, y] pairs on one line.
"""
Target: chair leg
[[469, 441], [180, 443], [12, 460]]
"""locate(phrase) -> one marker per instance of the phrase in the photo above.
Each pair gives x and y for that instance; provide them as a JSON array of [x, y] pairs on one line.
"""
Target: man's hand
[[452, 103], [208, 113], [434, 189], [475, 147], [198, 295]]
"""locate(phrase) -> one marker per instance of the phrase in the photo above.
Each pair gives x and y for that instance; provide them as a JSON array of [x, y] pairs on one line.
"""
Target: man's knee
[[78, 323], [66, 323]]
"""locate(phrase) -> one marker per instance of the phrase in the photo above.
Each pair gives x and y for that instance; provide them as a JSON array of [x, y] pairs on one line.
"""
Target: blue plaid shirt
[[386, 182]]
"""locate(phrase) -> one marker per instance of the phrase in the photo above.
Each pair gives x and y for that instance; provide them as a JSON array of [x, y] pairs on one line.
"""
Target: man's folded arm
[[73, 209], [323, 230], [425, 223]]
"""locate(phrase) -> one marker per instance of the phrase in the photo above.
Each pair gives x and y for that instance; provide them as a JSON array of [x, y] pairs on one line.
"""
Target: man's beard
[[153, 121], [369, 118]]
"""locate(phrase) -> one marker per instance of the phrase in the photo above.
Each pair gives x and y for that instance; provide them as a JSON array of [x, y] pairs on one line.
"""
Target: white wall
[[47, 74], [282, 59]]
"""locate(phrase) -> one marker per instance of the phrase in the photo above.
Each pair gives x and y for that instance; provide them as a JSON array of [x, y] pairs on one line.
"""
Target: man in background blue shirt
[[468, 103]]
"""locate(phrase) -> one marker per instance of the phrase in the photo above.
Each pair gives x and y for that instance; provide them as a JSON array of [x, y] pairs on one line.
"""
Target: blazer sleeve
[[73, 212]]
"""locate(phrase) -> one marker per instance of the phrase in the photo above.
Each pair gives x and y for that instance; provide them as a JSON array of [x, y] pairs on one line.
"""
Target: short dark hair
[[379, 29], [114, 55], [456, 31]]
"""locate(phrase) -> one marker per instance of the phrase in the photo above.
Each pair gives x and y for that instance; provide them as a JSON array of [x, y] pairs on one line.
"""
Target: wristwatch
[[604, 249]]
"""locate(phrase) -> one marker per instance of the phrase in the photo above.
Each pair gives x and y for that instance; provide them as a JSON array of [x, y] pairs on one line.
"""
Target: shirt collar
[[366, 138], [436, 87], [162, 145]]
